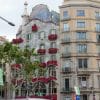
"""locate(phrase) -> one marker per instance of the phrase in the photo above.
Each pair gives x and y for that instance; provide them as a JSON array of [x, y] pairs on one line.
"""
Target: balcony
[[67, 90], [43, 64], [52, 50], [52, 63], [52, 37], [41, 51], [87, 71], [66, 55], [65, 40], [66, 70]]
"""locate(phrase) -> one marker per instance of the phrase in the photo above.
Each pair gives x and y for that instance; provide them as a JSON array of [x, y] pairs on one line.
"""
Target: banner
[[77, 90], [1, 77]]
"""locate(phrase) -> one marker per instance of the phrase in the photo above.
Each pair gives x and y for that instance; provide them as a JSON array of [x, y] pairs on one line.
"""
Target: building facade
[[43, 36], [79, 49]]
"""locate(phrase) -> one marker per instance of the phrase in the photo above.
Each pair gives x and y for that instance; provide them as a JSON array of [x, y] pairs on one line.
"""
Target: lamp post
[[10, 23]]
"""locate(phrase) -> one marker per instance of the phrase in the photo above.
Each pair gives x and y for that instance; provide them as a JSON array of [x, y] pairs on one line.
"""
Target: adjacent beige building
[[80, 49]]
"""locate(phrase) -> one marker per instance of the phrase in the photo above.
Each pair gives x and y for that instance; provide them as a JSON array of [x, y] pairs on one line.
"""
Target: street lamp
[[10, 23]]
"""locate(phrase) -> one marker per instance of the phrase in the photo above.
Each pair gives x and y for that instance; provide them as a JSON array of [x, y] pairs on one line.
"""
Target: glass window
[[53, 45], [98, 27], [41, 59], [41, 35], [66, 63], [65, 27], [66, 83], [28, 36], [98, 37], [84, 97], [53, 57], [82, 48], [80, 24], [99, 81], [82, 63], [80, 13], [81, 35], [53, 31], [97, 14], [82, 82], [65, 14], [42, 46]]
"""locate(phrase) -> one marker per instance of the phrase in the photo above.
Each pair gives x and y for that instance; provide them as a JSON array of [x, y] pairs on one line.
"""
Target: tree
[[23, 58]]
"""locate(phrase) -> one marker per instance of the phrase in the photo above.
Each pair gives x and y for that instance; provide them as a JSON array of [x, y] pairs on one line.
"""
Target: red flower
[[17, 41], [34, 28], [52, 37], [52, 50], [41, 51], [52, 62]]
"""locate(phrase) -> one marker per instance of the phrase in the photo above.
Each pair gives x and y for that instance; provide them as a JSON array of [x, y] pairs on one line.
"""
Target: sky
[[12, 11]]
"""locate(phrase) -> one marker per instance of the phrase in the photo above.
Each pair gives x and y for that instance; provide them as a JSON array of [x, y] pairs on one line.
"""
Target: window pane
[[80, 63], [41, 35], [65, 27], [80, 24], [65, 14], [81, 35], [66, 83], [28, 36], [97, 26], [82, 48], [80, 13], [53, 31], [85, 63]]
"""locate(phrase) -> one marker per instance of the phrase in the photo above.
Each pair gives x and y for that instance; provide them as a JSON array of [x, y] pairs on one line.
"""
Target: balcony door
[[66, 84]]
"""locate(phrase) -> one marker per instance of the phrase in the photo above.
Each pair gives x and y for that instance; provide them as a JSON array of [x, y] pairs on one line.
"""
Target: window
[[53, 57], [41, 59], [28, 36], [84, 97], [97, 14], [98, 27], [98, 37], [66, 84], [80, 24], [65, 14], [42, 46], [53, 45], [81, 35], [99, 82], [80, 13], [82, 48], [98, 47], [67, 63], [83, 82], [66, 49], [42, 35], [82, 63], [53, 31], [65, 27]]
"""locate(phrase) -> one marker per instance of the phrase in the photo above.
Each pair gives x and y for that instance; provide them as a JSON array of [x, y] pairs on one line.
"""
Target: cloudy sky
[[13, 9]]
